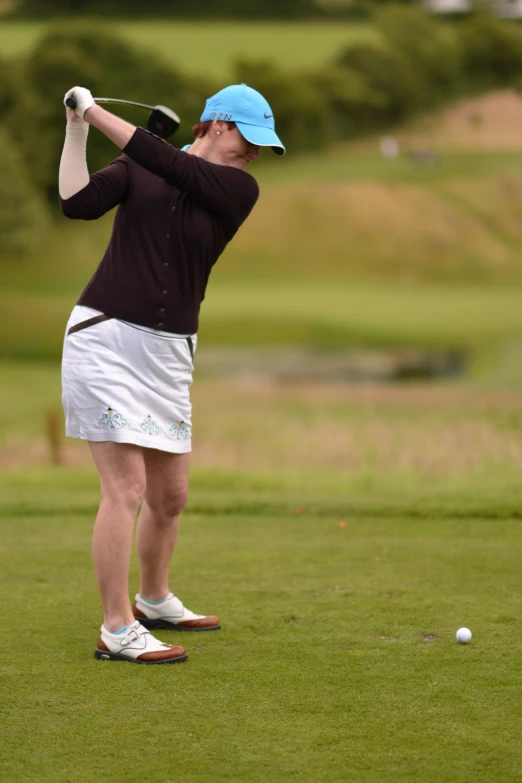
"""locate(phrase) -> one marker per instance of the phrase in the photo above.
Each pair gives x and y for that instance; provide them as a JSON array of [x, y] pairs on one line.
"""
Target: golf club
[[162, 120]]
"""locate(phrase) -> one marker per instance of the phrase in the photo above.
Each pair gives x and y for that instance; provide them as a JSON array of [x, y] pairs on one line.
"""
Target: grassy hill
[[344, 248], [488, 123]]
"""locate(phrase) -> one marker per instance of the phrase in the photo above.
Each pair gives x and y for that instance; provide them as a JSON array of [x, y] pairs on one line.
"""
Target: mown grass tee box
[[337, 660]]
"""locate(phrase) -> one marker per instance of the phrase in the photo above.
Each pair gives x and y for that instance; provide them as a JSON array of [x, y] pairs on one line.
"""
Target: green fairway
[[366, 165], [322, 315], [364, 315], [337, 660], [211, 47]]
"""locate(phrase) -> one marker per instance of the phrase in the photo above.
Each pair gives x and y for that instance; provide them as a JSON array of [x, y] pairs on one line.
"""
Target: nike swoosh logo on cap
[[268, 116]]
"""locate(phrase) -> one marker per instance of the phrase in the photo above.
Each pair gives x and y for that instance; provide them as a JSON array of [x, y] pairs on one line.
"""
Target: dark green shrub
[[429, 49], [12, 85], [354, 107], [108, 67], [206, 9], [23, 214], [491, 51], [394, 85], [300, 109]]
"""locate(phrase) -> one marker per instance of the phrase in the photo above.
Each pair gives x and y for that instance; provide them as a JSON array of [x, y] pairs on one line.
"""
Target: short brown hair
[[202, 128]]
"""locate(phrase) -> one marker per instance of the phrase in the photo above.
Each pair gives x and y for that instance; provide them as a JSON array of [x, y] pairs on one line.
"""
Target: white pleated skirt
[[127, 384]]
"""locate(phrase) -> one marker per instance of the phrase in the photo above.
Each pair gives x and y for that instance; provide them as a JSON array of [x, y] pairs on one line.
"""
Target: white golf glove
[[84, 99]]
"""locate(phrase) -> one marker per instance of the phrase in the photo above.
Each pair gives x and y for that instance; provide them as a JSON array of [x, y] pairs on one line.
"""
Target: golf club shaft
[[162, 122], [71, 102]]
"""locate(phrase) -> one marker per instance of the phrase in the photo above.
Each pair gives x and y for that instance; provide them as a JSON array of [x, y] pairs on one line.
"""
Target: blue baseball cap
[[249, 111]]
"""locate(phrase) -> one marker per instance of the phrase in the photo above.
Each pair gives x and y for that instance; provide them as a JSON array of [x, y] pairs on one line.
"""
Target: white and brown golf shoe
[[137, 645], [171, 614]]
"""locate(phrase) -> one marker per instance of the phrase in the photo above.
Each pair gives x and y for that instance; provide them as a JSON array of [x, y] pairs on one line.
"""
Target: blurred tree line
[[206, 9], [418, 64]]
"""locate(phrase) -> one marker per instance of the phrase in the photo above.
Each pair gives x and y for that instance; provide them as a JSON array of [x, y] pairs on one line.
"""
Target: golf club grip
[[71, 102]]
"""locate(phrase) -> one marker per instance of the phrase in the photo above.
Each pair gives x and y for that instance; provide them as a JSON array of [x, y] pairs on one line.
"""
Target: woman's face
[[232, 147]]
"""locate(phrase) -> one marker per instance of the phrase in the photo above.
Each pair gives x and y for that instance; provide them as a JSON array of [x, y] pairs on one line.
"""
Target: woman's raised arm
[[82, 196]]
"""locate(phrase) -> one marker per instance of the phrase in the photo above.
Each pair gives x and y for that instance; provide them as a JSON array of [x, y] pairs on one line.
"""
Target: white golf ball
[[464, 635]]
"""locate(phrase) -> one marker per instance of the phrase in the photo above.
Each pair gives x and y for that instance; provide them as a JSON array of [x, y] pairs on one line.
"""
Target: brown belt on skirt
[[89, 322], [99, 318]]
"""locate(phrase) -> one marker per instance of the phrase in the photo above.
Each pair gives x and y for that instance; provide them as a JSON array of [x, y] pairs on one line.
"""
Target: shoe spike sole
[[103, 655], [152, 624]]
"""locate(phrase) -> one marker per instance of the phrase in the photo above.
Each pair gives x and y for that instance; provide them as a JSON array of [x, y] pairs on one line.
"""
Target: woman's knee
[[122, 473], [126, 493], [169, 503]]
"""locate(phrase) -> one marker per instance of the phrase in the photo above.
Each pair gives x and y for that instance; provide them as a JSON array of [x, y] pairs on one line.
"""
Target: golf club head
[[163, 122]]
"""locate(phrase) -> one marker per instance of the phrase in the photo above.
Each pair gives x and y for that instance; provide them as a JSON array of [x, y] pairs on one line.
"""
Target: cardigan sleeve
[[106, 189]]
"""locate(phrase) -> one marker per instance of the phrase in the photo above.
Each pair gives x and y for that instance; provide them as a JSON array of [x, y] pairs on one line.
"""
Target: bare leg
[[165, 498], [122, 481]]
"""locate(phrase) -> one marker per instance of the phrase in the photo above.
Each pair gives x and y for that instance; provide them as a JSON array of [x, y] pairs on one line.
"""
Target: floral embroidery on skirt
[[149, 426], [180, 431], [112, 420]]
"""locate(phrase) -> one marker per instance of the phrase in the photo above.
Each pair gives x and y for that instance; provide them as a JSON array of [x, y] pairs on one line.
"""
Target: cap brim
[[261, 137]]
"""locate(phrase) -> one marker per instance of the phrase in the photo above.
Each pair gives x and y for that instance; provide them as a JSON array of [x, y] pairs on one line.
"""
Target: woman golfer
[[130, 340]]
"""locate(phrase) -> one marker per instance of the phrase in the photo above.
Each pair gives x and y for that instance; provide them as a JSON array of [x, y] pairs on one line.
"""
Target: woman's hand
[[84, 101], [117, 130]]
